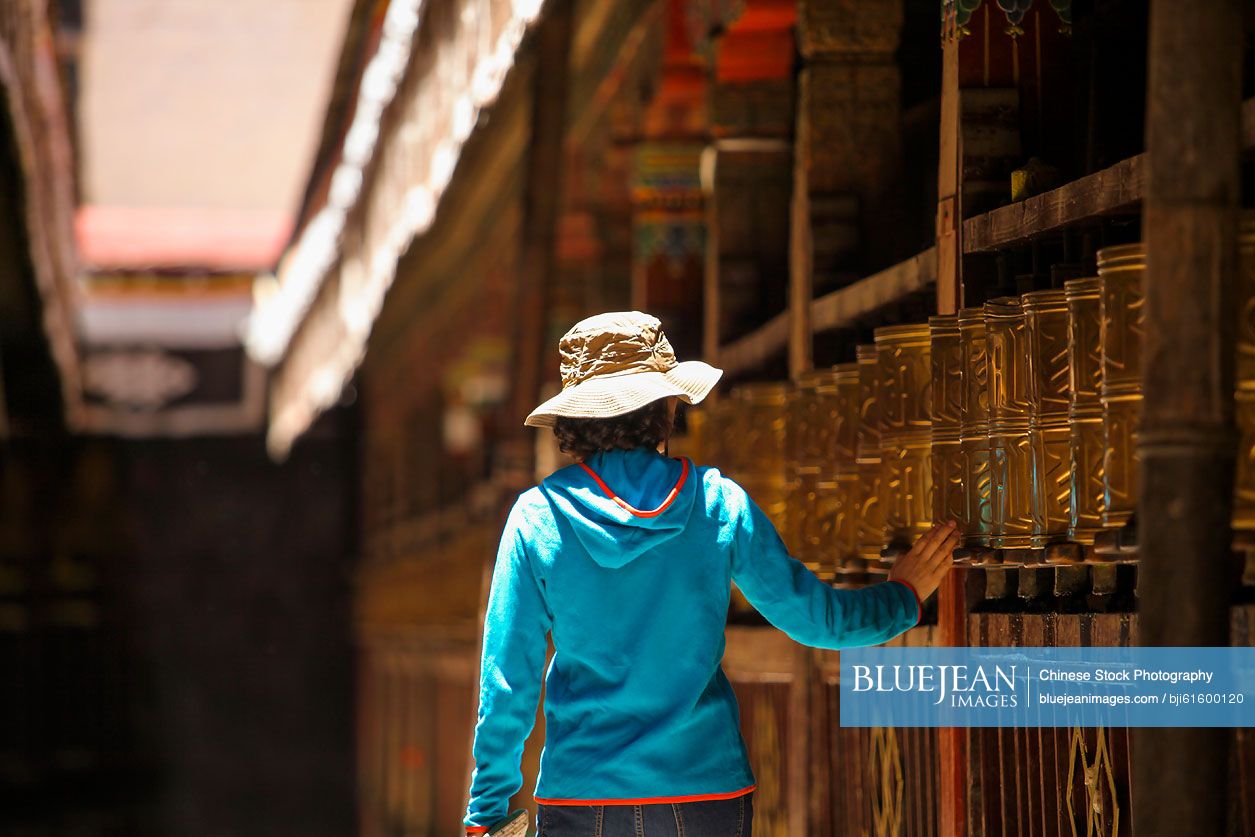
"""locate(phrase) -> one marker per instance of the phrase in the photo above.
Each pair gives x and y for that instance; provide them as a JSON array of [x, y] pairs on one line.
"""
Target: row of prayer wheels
[[1018, 419]]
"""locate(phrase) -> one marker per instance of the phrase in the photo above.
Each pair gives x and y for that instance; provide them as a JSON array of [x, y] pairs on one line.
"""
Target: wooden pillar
[[748, 171], [1187, 440], [668, 220], [951, 616], [541, 200], [847, 148]]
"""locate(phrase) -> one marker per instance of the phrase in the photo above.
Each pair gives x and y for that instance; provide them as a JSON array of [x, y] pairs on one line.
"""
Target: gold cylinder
[[1046, 319], [974, 429], [815, 424], [1085, 424], [760, 439], [870, 512], [1121, 270], [946, 353], [905, 381], [1011, 456], [806, 428], [845, 482], [1244, 482]]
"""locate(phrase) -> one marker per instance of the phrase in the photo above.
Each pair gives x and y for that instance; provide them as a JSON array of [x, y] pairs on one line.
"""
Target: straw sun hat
[[616, 363]]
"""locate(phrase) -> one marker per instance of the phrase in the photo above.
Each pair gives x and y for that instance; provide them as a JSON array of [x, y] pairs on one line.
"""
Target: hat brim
[[607, 396]]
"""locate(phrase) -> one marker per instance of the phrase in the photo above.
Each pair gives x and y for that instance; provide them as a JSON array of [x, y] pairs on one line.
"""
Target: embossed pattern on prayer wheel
[[759, 437], [946, 352], [870, 512], [1011, 456], [1085, 422], [1244, 481], [974, 429], [1046, 318], [1121, 271], [905, 383]]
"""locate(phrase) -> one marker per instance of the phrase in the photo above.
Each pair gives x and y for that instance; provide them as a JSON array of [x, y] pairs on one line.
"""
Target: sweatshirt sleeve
[[793, 599], [515, 626]]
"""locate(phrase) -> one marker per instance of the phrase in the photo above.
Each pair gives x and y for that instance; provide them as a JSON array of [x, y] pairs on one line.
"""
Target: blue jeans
[[717, 818]]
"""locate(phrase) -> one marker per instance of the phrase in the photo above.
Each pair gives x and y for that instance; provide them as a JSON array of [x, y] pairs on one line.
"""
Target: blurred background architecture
[[279, 281]]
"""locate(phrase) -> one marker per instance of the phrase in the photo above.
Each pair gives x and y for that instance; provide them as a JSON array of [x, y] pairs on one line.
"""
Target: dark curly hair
[[647, 427]]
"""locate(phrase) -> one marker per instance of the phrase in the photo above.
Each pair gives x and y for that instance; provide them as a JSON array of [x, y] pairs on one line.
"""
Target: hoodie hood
[[624, 503]]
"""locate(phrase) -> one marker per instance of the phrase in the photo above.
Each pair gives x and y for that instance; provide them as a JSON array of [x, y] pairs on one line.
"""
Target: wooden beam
[[1187, 439], [756, 348], [839, 309], [844, 307], [1119, 188]]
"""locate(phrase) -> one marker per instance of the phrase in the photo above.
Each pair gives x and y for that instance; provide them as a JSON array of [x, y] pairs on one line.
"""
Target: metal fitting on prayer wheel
[[1244, 482], [1120, 271], [905, 383], [870, 512], [1085, 423], [974, 429], [760, 438], [1011, 456], [946, 352], [1046, 318]]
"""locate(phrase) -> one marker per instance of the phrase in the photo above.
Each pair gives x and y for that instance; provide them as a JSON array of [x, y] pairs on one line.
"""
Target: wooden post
[[952, 617], [668, 221], [540, 219], [1187, 440], [801, 243], [846, 152], [748, 170], [950, 177]]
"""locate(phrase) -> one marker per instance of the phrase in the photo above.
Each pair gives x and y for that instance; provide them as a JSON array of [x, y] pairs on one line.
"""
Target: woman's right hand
[[929, 560]]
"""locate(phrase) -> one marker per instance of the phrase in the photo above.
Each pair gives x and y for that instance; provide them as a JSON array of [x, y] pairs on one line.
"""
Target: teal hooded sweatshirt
[[628, 561]]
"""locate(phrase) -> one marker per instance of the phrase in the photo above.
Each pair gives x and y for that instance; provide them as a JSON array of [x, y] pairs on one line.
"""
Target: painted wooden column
[[847, 145], [541, 210], [848, 102], [748, 171], [1187, 440], [668, 219]]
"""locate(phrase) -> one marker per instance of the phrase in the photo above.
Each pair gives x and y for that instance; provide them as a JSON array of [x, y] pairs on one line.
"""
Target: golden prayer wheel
[[806, 428], [869, 510], [1244, 483], [974, 429], [904, 385], [1085, 422], [845, 476], [805, 537], [809, 433], [946, 352], [759, 437], [1046, 319], [1120, 271], [1010, 454]]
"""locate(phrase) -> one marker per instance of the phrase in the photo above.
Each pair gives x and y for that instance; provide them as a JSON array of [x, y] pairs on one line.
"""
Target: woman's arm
[[513, 662], [789, 595]]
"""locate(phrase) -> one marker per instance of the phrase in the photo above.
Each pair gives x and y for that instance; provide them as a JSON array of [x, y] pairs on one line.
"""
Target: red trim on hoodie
[[652, 800], [675, 492]]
